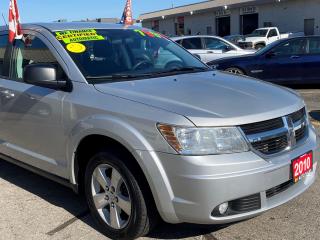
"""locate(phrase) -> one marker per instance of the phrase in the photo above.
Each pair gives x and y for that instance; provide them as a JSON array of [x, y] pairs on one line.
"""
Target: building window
[[156, 25]]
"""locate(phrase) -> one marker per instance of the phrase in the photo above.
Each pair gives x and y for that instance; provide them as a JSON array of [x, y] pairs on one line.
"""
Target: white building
[[229, 17]]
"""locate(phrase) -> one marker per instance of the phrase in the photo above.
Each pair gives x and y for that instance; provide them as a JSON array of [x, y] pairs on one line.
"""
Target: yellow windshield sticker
[[76, 47], [75, 36]]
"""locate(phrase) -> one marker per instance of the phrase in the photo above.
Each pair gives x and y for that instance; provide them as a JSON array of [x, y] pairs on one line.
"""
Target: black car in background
[[289, 61]]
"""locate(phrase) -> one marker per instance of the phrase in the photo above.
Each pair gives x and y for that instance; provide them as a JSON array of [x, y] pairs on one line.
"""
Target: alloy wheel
[[111, 196]]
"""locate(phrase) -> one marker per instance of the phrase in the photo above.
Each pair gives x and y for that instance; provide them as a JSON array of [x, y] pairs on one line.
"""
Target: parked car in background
[[262, 37], [234, 38], [210, 48], [288, 61]]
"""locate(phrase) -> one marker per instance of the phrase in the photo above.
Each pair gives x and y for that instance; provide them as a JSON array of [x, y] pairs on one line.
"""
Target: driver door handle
[[210, 52], [294, 57]]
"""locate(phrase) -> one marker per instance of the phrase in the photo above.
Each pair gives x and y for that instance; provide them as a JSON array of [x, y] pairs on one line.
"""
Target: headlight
[[204, 141]]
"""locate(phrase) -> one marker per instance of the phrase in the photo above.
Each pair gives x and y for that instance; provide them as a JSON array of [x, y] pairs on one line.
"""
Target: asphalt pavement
[[36, 208]]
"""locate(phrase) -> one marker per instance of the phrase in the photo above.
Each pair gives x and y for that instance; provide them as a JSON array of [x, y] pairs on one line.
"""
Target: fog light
[[223, 208]]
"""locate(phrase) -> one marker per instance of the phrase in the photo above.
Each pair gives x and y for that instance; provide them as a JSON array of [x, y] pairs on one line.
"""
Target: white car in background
[[210, 48], [262, 37]]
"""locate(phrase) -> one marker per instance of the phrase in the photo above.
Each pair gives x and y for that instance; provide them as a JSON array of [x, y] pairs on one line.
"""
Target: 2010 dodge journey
[[147, 130]]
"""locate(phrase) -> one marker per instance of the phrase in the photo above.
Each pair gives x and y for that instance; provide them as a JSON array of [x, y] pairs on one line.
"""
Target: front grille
[[297, 116], [272, 145], [300, 133], [273, 136], [264, 126], [279, 189]]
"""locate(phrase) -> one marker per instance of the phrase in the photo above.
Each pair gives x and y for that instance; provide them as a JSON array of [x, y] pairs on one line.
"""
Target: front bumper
[[198, 184]]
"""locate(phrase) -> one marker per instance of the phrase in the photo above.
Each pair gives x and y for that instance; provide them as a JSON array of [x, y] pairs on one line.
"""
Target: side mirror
[[226, 49], [43, 75]]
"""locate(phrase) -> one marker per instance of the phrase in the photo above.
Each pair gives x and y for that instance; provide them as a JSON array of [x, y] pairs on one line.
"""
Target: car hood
[[209, 98], [252, 39], [232, 59]]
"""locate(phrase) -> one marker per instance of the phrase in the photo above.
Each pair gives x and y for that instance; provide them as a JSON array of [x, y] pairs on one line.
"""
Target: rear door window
[[314, 45], [192, 43]]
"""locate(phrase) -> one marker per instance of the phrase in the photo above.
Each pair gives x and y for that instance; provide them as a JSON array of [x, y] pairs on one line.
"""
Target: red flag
[[15, 30], [127, 14]]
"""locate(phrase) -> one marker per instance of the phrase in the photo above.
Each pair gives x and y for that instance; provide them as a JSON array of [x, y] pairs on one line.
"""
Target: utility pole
[[172, 4]]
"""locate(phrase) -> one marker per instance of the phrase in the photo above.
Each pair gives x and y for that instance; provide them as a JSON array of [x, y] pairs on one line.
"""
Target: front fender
[[139, 147]]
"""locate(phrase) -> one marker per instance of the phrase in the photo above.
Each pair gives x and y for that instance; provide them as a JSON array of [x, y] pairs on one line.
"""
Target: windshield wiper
[[182, 70], [188, 69], [117, 76], [120, 76]]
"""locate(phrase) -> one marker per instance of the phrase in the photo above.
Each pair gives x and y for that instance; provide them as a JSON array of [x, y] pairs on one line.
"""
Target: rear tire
[[235, 70], [115, 199]]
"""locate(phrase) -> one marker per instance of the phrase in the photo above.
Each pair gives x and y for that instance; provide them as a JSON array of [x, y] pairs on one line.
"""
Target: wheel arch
[[131, 142]]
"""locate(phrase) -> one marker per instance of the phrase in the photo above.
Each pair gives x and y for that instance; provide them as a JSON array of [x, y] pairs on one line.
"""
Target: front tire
[[115, 199]]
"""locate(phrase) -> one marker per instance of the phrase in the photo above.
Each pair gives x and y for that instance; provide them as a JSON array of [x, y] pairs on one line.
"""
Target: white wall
[[287, 15], [290, 15], [199, 23]]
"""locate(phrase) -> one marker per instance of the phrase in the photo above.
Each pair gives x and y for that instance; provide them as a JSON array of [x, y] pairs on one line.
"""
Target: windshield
[[118, 54], [258, 33]]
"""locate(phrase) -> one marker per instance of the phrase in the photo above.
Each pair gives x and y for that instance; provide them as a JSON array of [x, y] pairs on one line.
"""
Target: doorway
[[309, 27], [249, 23], [223, 26]]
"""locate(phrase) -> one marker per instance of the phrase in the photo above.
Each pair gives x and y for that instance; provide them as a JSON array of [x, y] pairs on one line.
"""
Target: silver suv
[[145, 129]]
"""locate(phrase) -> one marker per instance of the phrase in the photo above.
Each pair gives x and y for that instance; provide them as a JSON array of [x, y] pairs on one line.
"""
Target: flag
[[127, 14], [15, 30]]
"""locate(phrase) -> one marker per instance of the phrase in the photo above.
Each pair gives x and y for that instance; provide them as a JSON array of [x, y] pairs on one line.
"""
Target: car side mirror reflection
[[43, 75]]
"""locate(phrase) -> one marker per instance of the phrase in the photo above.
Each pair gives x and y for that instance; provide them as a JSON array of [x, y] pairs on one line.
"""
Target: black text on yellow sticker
[[74, 36]]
